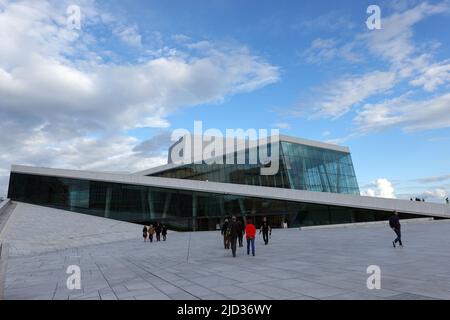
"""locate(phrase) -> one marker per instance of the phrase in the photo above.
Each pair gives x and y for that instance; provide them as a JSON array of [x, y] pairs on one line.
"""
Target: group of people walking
[[233, 233], [417, 199], [158, 229]]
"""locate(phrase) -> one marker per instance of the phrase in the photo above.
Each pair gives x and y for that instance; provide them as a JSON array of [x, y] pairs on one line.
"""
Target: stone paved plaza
[[325, 263]]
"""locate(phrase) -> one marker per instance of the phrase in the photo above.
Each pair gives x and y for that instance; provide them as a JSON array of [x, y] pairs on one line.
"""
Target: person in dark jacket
[[164, 232], [241, 234], [394, 223], [266, 230], [234, 234], [226, 234], [144, 233], [158, 230]]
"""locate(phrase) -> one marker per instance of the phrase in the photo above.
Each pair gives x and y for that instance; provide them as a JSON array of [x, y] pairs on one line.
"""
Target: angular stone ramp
[[34, 229], [329, 263]]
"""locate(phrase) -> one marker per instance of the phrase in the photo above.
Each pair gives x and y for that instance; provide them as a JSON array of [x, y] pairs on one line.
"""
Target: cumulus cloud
[[381, 188], [66, 103]]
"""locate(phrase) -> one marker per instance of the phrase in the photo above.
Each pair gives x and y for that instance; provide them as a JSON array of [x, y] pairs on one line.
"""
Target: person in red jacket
[[250, 231]]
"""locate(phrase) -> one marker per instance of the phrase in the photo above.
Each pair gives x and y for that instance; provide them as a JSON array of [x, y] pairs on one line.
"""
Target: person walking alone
[[250, 233], [226, 234], [394, 223], [241, 233], [164, 232], [144, 233], [266, 231], [234, 233]]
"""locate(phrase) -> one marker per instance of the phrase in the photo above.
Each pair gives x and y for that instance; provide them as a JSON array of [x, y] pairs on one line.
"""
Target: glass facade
[[319, 169], [301, 167], [181, 210], [248, 174]]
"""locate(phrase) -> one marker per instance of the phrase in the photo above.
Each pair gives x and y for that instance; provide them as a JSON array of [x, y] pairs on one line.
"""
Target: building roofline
[[335, 199], [158, 169], [314, 143]]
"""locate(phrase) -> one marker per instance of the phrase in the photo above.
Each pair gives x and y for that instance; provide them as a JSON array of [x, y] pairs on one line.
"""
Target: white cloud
[[402, 112], [321, 50], [281, 125], [434, 179], [333, 20], [41, 148], [369, 193], [394, 41], [433, 76], [326, 50], [34, 63], [62, 105], [406, 61], [129, 35], [339, 96], [382, 188], [435, 195], [181, 38]]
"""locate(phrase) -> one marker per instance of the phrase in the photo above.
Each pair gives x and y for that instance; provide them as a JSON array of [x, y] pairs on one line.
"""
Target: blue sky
[[107, 96]]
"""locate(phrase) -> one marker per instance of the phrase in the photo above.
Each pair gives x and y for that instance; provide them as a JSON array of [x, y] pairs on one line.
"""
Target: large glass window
[[183, 210], [248, 174], [301, 167], [318, 169]]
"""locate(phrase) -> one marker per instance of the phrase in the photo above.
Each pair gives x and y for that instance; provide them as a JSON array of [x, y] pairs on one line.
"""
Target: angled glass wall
[[181, 210], [301, 167], [318, 169], [239, 174]]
